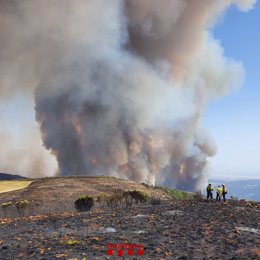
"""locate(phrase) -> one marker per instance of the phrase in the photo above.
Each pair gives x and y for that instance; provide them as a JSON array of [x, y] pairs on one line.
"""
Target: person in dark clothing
[[209, 192]]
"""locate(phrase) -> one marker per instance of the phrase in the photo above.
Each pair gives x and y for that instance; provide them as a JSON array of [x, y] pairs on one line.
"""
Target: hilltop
[[57, 194], [170, 229]]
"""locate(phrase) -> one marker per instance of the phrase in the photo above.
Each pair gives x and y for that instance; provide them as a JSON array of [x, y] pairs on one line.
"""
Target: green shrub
[[84, 203]]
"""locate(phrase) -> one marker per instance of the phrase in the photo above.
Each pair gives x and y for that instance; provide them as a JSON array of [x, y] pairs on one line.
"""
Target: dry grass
[[58, 194], [6, 186]]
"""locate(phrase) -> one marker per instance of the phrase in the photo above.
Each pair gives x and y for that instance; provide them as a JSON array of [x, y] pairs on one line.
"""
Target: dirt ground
[[171, 230], [188, 229]]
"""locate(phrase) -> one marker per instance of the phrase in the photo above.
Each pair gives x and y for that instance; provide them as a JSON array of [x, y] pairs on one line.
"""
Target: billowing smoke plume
[[119, 85], [21, 146]]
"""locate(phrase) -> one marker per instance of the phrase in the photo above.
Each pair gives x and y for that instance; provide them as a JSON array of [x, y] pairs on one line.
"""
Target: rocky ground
[[171, 230]]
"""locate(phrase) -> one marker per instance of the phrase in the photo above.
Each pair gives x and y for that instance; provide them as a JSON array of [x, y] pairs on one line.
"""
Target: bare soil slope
[[53, 195]]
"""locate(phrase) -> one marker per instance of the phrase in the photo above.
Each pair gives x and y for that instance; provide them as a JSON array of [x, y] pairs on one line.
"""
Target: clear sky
[[234, 121]]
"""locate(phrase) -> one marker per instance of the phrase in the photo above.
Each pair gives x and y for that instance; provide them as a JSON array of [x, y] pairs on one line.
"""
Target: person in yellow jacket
[[224, 192], [219, 193], [210, 192]]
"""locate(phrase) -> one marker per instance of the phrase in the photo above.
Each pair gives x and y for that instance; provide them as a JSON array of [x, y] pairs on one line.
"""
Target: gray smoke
[[120, 86]]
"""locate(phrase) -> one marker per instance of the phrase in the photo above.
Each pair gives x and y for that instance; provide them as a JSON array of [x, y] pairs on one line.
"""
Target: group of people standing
[[221, 192]]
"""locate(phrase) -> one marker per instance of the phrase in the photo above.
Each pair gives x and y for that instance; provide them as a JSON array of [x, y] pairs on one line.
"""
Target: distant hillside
[[7, 177], [242, 189]]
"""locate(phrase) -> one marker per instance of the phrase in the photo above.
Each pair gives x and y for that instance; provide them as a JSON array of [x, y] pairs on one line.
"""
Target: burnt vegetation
[[6, 205], [20, 206], [84, 203], [120, 198]]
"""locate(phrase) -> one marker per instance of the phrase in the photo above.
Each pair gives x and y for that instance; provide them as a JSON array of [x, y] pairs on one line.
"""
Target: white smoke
[[119, 86]]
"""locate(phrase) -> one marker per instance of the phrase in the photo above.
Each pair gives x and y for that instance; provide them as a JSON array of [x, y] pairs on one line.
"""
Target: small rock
[[110, 230]]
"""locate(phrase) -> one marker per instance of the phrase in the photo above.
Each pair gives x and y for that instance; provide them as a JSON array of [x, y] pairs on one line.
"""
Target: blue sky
[[234, 121]]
